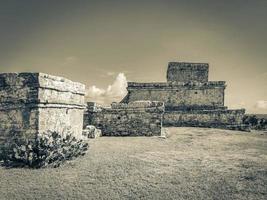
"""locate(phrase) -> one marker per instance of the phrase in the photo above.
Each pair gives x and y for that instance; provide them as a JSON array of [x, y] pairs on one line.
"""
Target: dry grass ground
[[192, 163]]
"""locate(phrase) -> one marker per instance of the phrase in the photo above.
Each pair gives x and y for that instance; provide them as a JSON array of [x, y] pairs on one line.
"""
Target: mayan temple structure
[[190, 98]]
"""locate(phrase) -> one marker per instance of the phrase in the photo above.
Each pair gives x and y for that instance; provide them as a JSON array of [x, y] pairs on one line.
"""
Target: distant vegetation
[[257, 122]]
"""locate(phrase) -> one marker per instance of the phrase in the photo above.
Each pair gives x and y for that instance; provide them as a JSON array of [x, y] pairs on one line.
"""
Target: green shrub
[[46, 150], [255, 122]]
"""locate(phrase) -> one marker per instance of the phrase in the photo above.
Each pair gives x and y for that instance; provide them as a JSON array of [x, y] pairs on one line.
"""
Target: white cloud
[[114, 92], [110, 73], [236, 105], [261, 104], [70, 60]]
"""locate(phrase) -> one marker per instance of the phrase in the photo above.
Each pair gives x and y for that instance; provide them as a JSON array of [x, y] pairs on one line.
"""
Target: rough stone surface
[[228, 119], [143, 118], [187, 72], [189, 98], [32, 103], [91, 132], [179, 95]]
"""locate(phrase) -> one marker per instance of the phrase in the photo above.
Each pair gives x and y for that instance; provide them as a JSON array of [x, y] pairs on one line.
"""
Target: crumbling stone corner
[[35, 103]]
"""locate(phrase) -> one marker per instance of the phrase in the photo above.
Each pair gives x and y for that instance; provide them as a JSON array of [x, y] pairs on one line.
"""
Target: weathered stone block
[[187, 72], [32, 103], [141, 118], [91, 132], [179, 95], [229, 119]]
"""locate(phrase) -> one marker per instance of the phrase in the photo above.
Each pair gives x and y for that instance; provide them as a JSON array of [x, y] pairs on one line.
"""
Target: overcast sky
[[93, 41]]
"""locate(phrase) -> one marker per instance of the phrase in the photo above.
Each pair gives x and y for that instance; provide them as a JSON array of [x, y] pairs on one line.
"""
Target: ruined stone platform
[[32, 103], [141, 118], [218, 118], [190, 98], [178, 94]]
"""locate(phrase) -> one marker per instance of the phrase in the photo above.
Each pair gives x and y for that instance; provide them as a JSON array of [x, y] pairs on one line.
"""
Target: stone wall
[[133, 119], [231, 119], [32, 103], [179, 95], [189, 98], [187, 72]]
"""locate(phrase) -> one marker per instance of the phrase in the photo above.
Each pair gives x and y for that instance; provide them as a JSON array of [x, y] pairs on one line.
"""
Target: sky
[[104, 44]]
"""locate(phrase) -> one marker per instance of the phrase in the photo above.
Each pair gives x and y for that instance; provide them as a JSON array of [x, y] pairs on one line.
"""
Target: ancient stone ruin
[[35, 103], [139, 118], [189, 98]]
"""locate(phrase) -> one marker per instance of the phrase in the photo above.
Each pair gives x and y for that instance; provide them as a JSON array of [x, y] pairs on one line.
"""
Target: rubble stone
[[91, 132]]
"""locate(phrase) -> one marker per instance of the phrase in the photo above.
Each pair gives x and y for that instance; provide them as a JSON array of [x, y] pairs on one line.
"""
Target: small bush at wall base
[[255, 122], [47, 150]]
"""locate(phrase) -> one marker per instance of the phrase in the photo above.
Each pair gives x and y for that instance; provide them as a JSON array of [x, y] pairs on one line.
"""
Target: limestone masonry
[[189, 98], [141, 118], [187, 72], [179, 95], [33, 103]]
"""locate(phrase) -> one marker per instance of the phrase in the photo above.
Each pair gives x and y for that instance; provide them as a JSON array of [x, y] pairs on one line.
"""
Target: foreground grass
[[192, 163]]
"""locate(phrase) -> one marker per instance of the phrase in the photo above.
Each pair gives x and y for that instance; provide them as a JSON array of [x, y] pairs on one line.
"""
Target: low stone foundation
[[34, 103], [142, 118], [227, 119]]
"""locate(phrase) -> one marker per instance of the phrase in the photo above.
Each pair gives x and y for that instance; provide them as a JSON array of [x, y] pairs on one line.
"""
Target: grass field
[[192, 163]]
